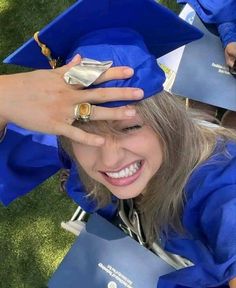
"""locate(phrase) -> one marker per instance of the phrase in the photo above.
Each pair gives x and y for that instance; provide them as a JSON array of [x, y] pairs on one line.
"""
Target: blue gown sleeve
[[227, 31], [27, 159], [218, 249], [218, 221], [213, 11], [210, 221]]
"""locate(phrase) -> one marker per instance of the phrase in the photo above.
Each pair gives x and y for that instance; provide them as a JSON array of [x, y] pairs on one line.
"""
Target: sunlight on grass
[[4, 5]]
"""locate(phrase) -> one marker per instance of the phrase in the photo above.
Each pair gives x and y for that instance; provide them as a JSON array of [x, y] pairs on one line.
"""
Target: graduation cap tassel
[[45, 51]]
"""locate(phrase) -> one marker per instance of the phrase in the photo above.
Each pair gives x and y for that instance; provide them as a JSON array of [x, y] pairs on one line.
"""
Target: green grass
[[32, 244], [19, 19], [172, 4]]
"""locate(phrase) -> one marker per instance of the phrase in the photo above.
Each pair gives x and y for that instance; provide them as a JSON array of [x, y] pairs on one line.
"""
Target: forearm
[[8, 87]]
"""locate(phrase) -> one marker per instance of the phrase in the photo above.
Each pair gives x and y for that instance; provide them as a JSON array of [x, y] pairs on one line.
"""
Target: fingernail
[[130, 112], [99, 141], [128, 71], [138, 93]]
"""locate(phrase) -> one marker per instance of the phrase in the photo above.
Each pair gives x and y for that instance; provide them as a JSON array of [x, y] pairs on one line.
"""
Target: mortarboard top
[[129, 32]]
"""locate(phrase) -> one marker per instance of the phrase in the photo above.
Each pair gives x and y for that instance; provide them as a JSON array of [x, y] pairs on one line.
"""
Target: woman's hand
[[230, 54], [42, 101]]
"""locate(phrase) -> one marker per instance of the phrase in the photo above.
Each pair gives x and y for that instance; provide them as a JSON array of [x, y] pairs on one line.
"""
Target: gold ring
[[83, 111]]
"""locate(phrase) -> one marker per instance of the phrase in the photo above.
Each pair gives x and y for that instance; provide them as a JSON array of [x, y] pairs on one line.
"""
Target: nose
[[112, 153]]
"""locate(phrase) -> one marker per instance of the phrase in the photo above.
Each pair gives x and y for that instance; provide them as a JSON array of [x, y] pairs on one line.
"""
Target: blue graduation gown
[[222, 13], [209, 218], [213, 11], [28, 158]]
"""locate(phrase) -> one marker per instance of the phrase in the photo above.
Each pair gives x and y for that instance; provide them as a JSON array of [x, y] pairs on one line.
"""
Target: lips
[[125, 176], [125, 172]]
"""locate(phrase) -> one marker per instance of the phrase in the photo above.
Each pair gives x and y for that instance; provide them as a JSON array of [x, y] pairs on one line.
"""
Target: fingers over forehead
[[103, 95], [119, 113], [114, 73], [80, 136]]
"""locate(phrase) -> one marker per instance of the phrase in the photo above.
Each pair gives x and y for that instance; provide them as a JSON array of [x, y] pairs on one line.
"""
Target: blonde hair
[[185, 142]]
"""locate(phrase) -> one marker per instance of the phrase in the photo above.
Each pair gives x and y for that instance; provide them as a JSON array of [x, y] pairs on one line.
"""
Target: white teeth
[[126, 172]]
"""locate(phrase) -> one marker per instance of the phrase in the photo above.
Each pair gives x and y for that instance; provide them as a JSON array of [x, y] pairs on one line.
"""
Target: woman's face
[[126, 162]]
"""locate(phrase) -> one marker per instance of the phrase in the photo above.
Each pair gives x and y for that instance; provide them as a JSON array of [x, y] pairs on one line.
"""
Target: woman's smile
[[124, 176]]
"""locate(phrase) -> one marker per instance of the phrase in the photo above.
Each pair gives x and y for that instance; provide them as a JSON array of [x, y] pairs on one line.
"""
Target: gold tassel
[[45, 51]]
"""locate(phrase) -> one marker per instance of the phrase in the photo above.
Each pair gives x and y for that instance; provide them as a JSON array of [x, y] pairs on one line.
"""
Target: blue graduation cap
[[129, 32]]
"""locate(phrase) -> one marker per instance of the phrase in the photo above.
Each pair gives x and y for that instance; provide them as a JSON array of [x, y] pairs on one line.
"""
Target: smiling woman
[[148, 161], [175, 172], [151, 155]]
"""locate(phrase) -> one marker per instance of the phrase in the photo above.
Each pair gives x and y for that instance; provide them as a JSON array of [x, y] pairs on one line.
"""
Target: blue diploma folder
[[104, 256], [203, 74]]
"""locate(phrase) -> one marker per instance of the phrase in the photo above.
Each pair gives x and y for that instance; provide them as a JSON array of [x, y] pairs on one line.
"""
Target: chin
[[123, 195]]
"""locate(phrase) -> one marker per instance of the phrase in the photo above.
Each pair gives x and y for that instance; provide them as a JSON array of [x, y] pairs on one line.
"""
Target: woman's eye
[[131, 128]]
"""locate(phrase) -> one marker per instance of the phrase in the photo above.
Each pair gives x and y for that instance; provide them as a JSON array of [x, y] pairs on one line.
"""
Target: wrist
[[5, 95], [9, 90]]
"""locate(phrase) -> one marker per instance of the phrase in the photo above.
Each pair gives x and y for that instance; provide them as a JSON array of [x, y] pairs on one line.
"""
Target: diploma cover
[[104, 256], [198, 70], [203, 74]]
